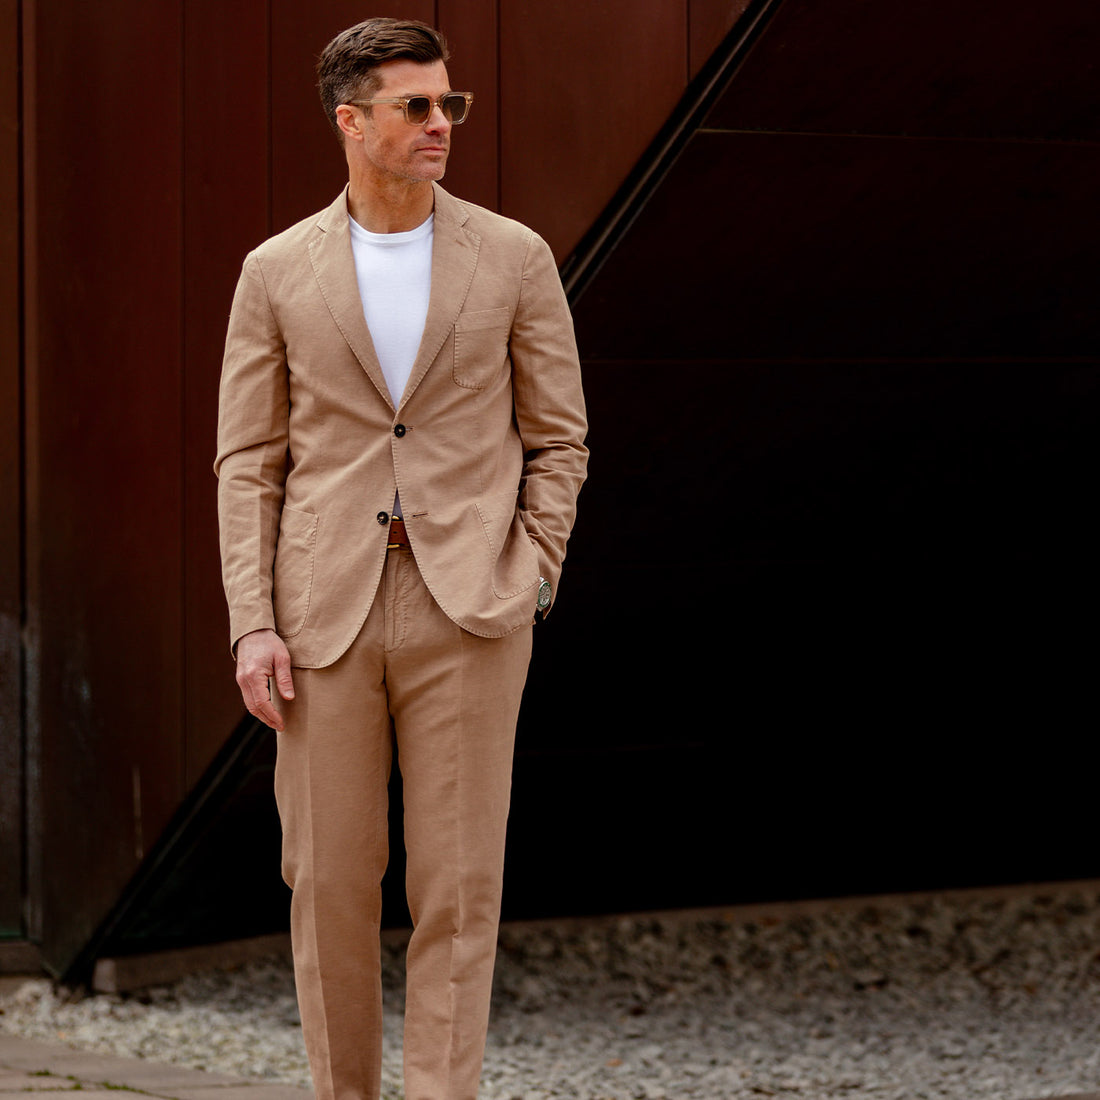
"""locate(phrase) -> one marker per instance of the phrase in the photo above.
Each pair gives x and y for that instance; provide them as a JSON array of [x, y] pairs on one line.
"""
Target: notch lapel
[[334, 269], [454, 259]]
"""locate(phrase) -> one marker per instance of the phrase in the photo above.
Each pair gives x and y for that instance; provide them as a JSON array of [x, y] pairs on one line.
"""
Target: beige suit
[[427, 648], [496, 378]]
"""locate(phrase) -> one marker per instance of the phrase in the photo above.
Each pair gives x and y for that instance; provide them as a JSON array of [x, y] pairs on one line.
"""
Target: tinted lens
[[420, 106], [453, 107]]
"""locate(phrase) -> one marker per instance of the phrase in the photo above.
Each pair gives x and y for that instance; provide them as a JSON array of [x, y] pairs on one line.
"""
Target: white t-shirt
[[394, 271], [395, 280]]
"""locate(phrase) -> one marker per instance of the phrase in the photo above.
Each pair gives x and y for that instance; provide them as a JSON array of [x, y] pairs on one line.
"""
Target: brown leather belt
[[398, 535]]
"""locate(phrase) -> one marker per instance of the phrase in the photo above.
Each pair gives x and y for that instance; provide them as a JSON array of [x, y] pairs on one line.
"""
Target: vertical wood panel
[[226, 213], [11, 491], [577, 112], [473, 170], [32, 783], [103, 447]]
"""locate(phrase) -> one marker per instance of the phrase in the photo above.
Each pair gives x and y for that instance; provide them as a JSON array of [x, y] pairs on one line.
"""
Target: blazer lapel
[[334, 269], [454, 258]]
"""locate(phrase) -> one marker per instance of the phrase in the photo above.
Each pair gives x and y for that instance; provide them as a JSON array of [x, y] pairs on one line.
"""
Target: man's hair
[[347, 68]]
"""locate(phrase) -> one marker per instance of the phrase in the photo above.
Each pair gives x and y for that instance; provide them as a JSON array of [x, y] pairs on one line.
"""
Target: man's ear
[[350, 122]]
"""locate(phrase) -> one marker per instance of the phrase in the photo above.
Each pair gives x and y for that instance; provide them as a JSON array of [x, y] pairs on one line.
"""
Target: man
[[400, 450]]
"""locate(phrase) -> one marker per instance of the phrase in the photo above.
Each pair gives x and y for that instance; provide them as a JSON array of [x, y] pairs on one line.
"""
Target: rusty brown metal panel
[[225, 208], [711, 21], [579, 108], [103, 446], [982, 69], [11, 488], [473, 170]]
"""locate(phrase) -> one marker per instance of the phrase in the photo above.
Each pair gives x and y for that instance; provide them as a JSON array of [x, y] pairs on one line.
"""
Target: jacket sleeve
[[251, 463], [549, 408]]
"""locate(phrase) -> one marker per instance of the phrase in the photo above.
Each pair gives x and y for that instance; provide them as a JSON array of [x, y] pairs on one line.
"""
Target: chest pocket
[[481, 346]]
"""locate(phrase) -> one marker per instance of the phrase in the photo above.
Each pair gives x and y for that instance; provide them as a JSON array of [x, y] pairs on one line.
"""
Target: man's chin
[[435, 174]]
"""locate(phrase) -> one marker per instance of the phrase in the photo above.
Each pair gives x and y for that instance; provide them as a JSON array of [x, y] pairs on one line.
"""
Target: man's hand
[[261, 657]]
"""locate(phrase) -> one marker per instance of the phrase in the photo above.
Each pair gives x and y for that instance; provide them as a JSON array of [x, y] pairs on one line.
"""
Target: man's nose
[[437, 120]]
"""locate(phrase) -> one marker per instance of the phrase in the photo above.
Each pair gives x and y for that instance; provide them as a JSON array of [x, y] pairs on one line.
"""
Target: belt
[[398, 535]]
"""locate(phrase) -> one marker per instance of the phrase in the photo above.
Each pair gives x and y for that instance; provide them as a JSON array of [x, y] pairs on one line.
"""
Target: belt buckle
[[398, 545]]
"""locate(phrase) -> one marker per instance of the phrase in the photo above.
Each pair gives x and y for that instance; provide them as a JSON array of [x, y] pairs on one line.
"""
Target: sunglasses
[[418, 108]]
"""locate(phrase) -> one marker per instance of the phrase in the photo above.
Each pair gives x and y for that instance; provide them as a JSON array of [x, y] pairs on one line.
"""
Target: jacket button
[[383, 518], [399, 430]]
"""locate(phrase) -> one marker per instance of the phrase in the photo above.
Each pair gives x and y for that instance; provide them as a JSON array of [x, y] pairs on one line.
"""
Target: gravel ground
[[973, 996]]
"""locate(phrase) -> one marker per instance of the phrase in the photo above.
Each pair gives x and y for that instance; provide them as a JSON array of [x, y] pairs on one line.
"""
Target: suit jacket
[[486, 445]]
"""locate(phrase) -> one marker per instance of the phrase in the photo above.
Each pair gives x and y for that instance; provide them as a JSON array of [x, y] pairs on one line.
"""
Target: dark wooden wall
[[832, 588], [146, 149]]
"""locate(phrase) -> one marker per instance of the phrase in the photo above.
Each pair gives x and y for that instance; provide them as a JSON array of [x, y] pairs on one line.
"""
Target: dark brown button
[[399, 430], [383, 518]]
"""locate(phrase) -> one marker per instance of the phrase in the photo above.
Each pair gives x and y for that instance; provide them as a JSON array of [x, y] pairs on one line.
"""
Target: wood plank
[[473, 170], [129, 972], [103, 446], [575, 114], [11, 483], [226, 214]]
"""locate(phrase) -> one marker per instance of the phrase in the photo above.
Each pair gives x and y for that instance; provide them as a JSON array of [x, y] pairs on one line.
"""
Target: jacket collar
[[454, 258]]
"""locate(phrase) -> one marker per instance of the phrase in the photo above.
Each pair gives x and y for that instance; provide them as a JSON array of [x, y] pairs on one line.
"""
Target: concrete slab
[[26, 1054], [95, 1094], [30, 1065], [134, 1073], [21, 1081], [241, 1090]]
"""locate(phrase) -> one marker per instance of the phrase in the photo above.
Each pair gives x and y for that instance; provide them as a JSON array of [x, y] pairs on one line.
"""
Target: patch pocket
[[481, 346], [294, 562], [515, 561]]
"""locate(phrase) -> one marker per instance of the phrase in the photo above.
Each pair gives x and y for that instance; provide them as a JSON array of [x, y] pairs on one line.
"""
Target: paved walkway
[[28, 1065]]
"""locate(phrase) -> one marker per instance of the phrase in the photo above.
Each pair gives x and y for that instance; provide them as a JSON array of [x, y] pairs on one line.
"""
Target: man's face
[[393, 148]]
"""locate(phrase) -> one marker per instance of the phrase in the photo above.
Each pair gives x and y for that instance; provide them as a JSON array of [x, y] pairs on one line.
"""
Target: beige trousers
[[449, 700]]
